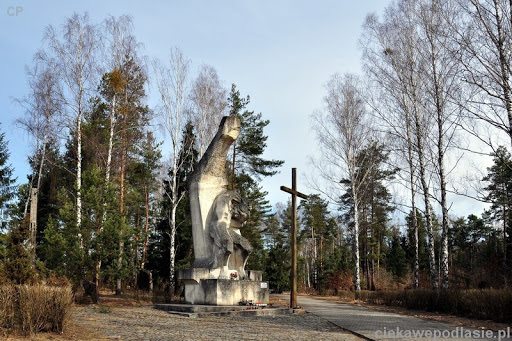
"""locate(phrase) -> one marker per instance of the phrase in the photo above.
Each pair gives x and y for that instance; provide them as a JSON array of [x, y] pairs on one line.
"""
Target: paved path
[[380, 325]]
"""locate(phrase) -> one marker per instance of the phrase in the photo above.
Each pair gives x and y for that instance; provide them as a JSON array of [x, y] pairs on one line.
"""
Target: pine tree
[[48, 175], [277, 265], [318, 232], [467, 236], [6, 179], [422, 241], [374, 207], [396, 256], [248, 167], [19, 268], [159, 261], [499, 194], [252, 142]]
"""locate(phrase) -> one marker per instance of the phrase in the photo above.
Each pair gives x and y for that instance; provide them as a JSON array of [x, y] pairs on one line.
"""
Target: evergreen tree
[[134, 119], [51, 173], [3, 245], [277, 268], [396, 256], [143, 184], [19, 268], [467, 237], [188, 159], [278, 255], [374, 207], [499, 194], [159, 246], [318, 230], [6, 180], [422, 241], [248, 167], [252, 142]]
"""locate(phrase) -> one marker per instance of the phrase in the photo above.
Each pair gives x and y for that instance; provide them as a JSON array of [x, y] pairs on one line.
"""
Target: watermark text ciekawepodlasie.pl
[[436, 334]]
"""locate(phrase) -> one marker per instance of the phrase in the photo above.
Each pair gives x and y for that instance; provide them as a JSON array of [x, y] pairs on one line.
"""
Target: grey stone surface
[[218, 212], [190, 310], [225, 292], [218, 276], [379, 325], [207, 182]]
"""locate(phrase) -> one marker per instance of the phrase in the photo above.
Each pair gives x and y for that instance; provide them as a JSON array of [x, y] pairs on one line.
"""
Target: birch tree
[[343, 130], [209, 102], [72, 51], [396, 69], [483, 36], [123, 89], [442, 86], [121, 43], [171, 81], [42, 106]]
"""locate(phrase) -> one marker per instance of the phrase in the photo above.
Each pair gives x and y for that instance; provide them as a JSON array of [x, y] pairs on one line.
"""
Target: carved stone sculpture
[[218, 275], [229, 249], [217, 212]]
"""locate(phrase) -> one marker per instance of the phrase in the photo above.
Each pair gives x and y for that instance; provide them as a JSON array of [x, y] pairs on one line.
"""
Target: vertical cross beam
[[293, 238]]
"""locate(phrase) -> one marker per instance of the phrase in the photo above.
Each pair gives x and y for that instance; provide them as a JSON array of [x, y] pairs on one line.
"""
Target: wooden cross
[[293, 191]]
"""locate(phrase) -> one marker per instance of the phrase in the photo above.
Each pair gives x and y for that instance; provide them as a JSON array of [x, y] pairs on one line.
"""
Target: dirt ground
[[124, 319]]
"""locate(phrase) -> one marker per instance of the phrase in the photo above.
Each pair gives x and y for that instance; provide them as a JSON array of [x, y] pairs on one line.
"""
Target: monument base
[[200, 289]]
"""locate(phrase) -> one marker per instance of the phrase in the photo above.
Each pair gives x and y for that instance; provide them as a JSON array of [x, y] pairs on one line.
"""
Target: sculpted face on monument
[[239, 210], [229, 249]]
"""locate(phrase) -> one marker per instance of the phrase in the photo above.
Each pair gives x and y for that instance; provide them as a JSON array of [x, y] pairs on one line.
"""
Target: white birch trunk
[[426, 194], [79, 179], [110, 142], [357, 276]]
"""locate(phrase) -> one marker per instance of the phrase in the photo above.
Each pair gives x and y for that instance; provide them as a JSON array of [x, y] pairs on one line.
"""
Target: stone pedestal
[[203, 287]]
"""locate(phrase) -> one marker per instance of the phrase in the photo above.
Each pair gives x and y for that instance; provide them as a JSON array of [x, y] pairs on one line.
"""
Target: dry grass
[[490, 304], [29, 309]]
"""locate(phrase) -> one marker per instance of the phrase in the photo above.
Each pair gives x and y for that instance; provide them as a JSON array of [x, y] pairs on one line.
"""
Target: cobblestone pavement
[[146, 323], [380, 325]]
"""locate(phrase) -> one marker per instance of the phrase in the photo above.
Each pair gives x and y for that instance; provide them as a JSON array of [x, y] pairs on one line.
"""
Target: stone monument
[[218, 275]]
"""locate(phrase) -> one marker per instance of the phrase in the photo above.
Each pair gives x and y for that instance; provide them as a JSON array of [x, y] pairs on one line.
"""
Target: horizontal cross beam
[[294, 192]]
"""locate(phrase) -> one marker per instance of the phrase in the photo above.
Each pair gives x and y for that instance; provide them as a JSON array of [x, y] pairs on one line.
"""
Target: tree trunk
[[505, 235], [444, 237], [121, 209], [79, 178], [426, 200], [97, 267], [313, 255], [96, 297], [440, 163], [172, 222], [504, 67], [34, 193], [172, 252], [110, 142], [412, 171], [357, 278], [33, 224], [146, 229]]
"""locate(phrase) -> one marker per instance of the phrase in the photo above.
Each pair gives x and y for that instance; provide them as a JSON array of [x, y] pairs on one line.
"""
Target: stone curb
[[209, 311]]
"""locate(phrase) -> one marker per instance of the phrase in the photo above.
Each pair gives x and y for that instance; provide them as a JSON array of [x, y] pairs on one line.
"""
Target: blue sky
[[280, 52]]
